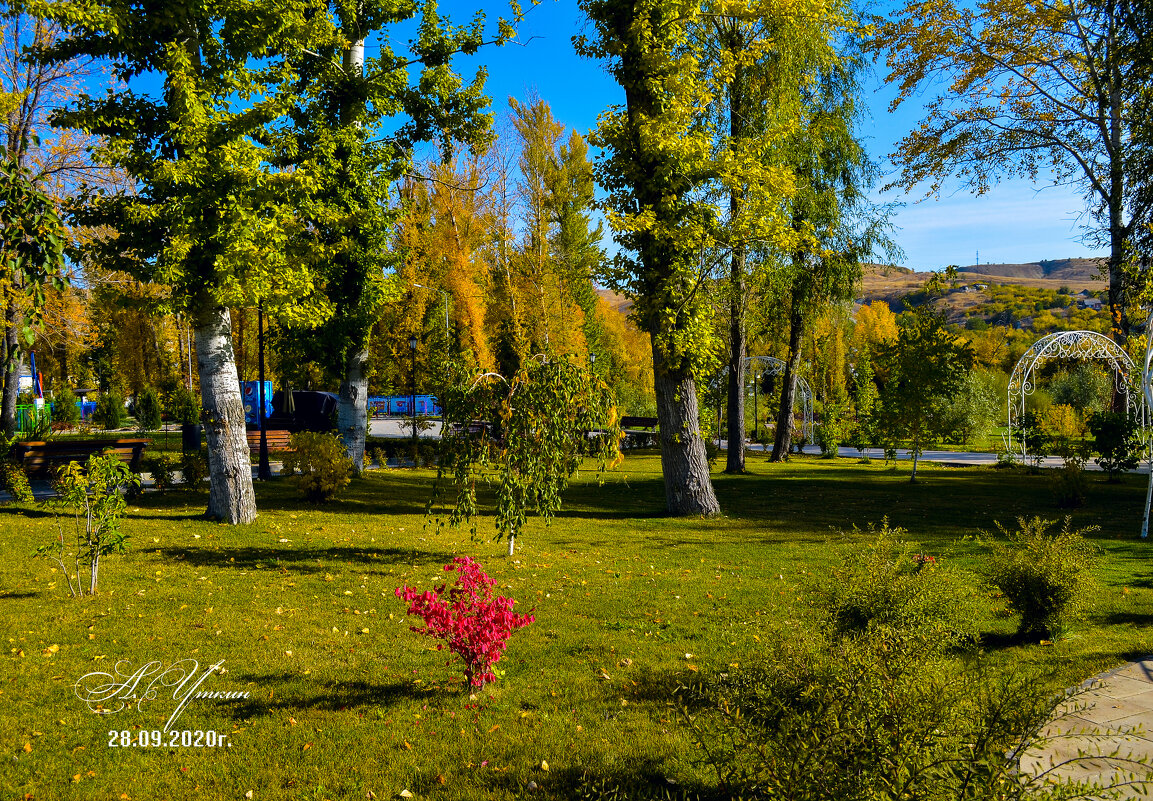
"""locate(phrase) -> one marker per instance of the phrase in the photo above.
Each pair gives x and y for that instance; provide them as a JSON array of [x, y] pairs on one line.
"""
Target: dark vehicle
[[310, 411]]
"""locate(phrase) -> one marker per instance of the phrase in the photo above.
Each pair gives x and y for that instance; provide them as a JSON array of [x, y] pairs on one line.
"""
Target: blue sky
[[1015, 222]]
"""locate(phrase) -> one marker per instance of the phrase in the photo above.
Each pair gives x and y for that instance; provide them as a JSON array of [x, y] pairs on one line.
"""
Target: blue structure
[[401, 406], [251, 398]]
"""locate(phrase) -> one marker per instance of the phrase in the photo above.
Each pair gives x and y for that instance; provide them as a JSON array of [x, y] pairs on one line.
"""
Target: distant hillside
[[1058, 270]]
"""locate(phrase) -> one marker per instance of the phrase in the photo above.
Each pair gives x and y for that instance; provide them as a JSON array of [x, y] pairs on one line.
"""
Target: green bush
[[1047, 578], [194, 468], [147, 410], [879, 717], [323, 463], [64, 406], [1070, 484], [109, 411], [162, 466], [1116, 437], [890, 584], [14, 481], [184, 406]]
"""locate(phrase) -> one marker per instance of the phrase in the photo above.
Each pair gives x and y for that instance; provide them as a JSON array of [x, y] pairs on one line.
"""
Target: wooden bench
[[277, 439], [42, 458], [640, 432]]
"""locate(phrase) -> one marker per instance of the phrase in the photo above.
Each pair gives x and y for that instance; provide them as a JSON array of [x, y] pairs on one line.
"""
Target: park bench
[[42, 458], [640, 432], [277, 439]]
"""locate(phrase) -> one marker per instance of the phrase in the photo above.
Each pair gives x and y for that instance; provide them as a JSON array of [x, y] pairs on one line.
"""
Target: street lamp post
[[412, 347], [263, 471]]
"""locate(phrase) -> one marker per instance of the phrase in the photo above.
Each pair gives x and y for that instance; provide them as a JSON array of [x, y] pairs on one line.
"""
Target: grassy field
[[344, 702]]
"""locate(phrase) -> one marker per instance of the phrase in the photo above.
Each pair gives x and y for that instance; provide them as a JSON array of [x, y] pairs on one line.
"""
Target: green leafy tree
[[65, 408], [355, 123], [93, 495], [1117, 438], [32, 240], [663, 170], [206, 216], [548, 419], [836, 228], [147, 410], [1021, 87], [975, 407], [922, 370]]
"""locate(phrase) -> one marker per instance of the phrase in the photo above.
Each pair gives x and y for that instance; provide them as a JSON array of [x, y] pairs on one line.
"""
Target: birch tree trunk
[[688, 486], [352, 410], [352, 404], [231, 498]]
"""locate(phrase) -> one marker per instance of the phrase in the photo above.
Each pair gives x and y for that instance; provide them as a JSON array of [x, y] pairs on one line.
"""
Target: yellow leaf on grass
[[27, 748]]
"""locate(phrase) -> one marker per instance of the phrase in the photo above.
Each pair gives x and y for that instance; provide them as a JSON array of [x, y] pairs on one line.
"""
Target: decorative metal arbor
[[770, 365], [1081, 346]]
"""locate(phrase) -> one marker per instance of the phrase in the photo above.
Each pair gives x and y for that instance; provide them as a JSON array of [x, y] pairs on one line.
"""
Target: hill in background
[[1065, 270]]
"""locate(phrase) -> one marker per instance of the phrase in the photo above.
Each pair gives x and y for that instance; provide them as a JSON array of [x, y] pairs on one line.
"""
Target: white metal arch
[[770, 365], [1078, 345]]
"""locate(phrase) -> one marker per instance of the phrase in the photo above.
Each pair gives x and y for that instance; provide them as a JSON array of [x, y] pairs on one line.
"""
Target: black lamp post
[[412, 346], [592, 361], [264, 471]]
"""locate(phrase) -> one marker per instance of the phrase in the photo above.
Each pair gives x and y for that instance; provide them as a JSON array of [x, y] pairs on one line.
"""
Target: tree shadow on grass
[[23, 511], [333, 696], [641, 780], [302, 560]]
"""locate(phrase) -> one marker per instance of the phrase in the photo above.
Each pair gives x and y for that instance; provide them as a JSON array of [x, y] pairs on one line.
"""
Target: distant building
[[1090, 303]]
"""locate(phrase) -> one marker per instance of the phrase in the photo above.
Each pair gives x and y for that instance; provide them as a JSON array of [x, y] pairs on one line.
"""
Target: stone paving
[[1102, 734]]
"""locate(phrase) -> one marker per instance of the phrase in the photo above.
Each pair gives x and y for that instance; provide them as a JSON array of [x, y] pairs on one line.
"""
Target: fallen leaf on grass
[[306, 746], [494, 728], [544, 766], [248, 794], [27, 748], [405, 794]]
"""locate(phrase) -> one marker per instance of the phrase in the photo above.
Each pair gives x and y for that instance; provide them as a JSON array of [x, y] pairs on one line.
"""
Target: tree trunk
[[352, 408], [784, 438], [684, 462], [11, 368], [352, 411], [231, 497], [735, 459]]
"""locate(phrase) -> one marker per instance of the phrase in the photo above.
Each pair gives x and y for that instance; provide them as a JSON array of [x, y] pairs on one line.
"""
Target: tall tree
[[836, 226], [656, 158], [339, 129], [30, 89], [208, 216], [663, 172], [761, 64], [921, 372], [1024, 87]]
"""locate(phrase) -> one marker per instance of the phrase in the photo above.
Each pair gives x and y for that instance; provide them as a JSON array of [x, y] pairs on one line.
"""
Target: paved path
[[1103, 728]]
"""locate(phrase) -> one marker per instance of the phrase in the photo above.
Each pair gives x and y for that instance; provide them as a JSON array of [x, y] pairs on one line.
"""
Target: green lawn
[[345, 701]]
